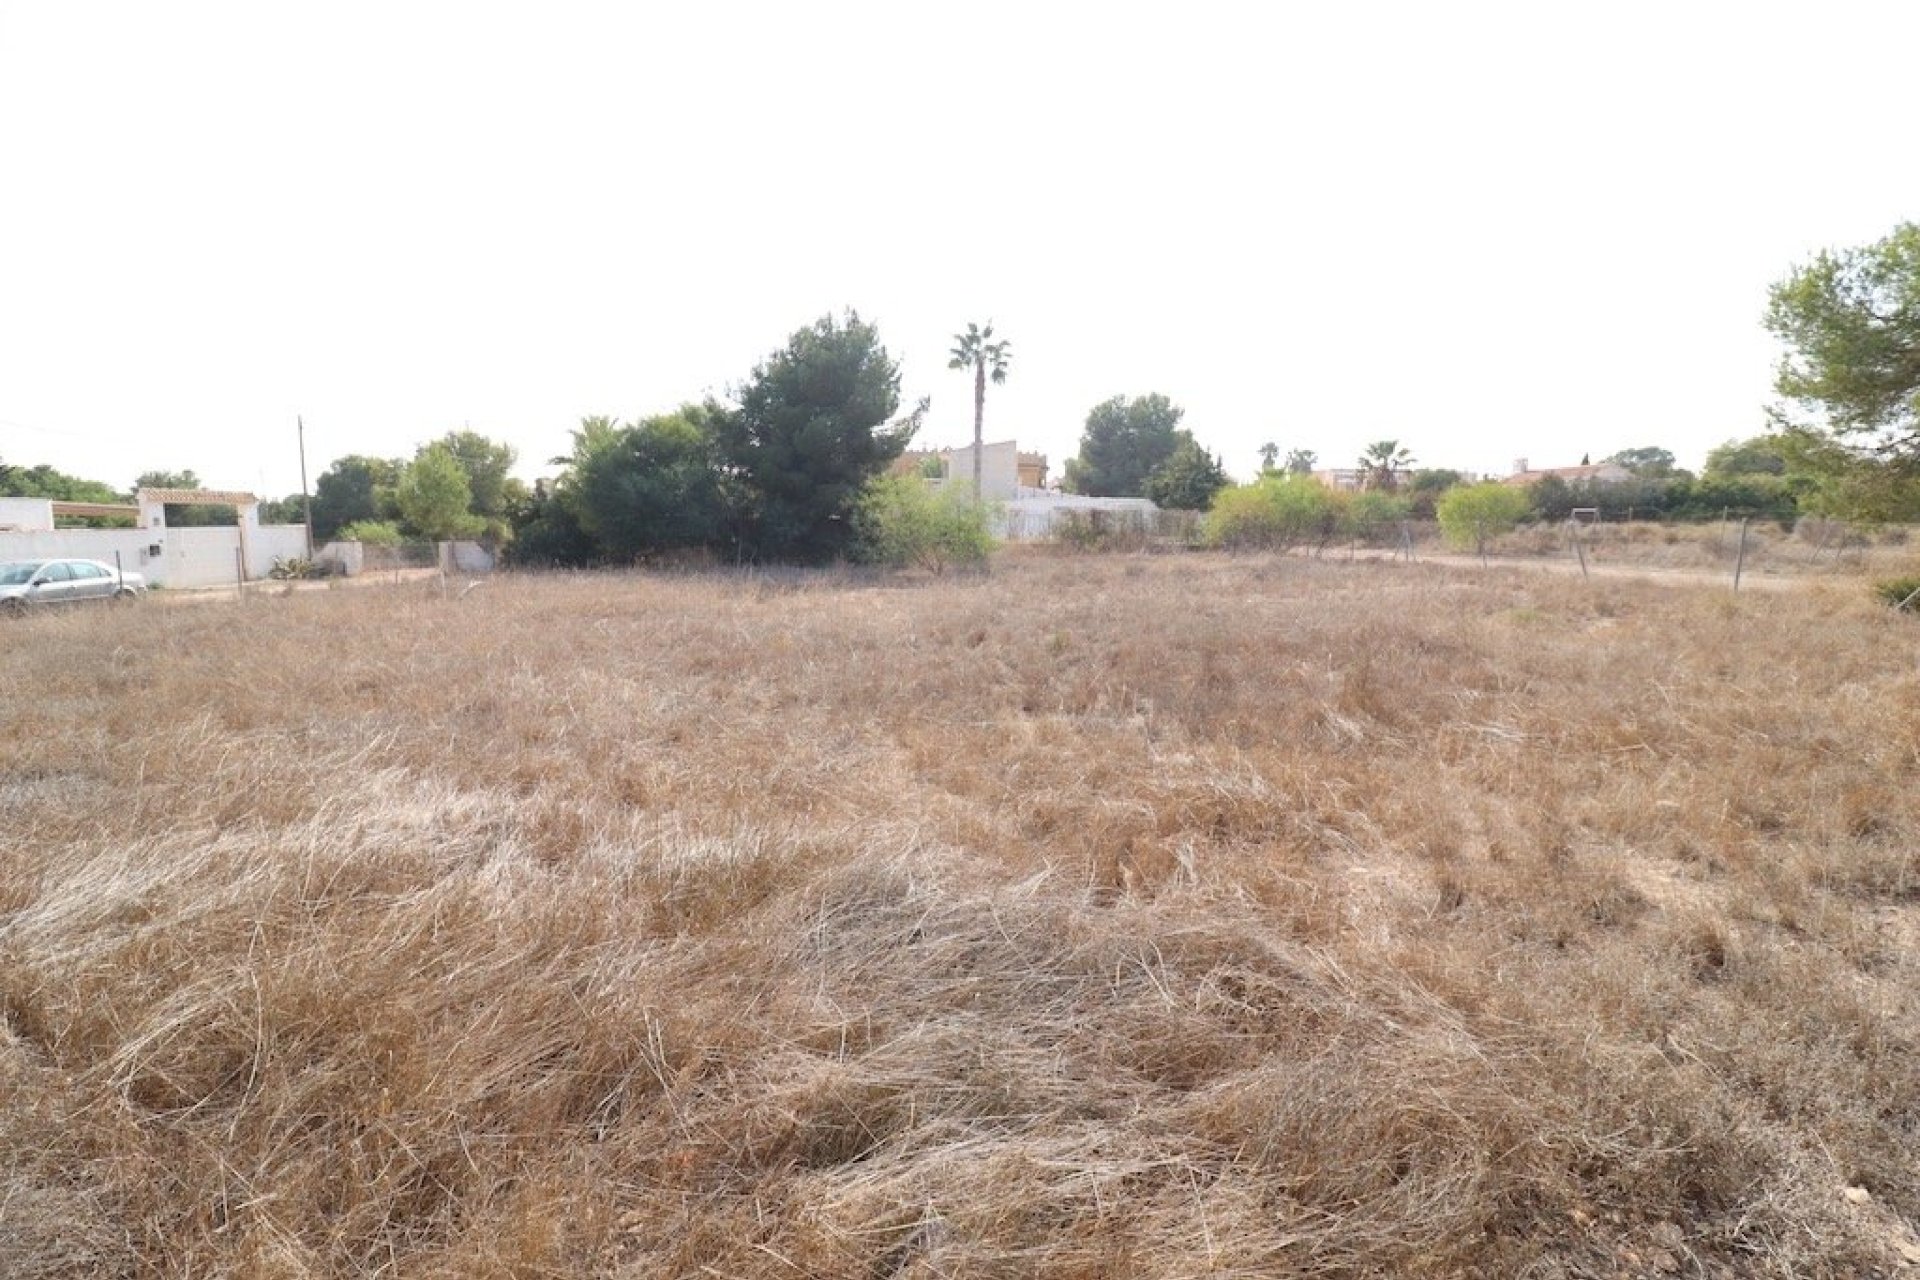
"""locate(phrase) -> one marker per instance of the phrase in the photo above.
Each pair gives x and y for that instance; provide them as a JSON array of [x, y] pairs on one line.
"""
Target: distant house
[[915, 462], [1347, 479], [1014, 482], [1006, 471], [1033, 469], [1599, 473]]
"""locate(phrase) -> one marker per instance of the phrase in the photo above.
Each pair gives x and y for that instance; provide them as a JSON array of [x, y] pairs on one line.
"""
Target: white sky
[[1487, 230]]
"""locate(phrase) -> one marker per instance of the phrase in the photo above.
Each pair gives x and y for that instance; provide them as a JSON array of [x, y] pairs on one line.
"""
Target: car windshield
[[18, 573]]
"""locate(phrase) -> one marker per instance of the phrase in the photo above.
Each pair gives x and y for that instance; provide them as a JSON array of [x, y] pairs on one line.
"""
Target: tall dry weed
[[1097, 918]]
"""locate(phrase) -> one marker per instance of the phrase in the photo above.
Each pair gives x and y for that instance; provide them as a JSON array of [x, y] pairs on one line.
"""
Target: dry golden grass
[[1103, 917], [1815, 549]]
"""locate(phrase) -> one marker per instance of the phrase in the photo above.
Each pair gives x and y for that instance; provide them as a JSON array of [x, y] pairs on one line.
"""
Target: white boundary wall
[[200, 557], [31, 515], [168, 557], [82, 544], [1031, 516], [267, 541]]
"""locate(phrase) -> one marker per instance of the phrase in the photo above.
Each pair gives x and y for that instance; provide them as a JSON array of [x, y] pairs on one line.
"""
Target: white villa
[[1025, 508]]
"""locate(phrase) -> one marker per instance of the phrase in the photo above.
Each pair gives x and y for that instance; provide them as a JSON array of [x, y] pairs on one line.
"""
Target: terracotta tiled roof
[[227, 497], [1566, 473], [95, 509]]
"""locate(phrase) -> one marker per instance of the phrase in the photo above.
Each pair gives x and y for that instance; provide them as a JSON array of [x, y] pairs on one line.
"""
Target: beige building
[[1601, 473], [1349, 479], [1033, 469], [1005, 470]]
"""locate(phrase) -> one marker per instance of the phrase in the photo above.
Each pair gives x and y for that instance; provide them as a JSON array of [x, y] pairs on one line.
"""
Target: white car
[[28, 584]]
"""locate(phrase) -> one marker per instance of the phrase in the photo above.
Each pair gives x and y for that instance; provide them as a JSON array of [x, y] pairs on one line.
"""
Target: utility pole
[[306, 503]]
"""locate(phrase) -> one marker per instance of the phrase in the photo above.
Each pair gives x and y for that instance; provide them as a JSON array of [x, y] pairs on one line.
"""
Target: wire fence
[[404, 559], [399, 556], [1739, 551]]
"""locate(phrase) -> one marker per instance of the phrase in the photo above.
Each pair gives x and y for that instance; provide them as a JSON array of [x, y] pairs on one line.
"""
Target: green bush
[[639, 491], [374, 533], [903, 521], [290, 568], [1900, 592], [435, 496], [1275, 512], [1187, 479], [1470, 514], [1104, 531], [1372, 514]]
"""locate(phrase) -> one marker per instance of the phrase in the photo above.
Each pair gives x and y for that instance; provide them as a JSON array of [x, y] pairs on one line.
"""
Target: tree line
[[797, 466], [42, 481], [1843, 438], [781, 472], [793, 467], [1765, 477]]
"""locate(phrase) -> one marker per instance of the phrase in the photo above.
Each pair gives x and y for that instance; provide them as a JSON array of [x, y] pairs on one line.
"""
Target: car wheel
[[126, 595], [13, 607]]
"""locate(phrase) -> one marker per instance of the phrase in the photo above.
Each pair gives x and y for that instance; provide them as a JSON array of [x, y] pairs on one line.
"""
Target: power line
[[67, 434]]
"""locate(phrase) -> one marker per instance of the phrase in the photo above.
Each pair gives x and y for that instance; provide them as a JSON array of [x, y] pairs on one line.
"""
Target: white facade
[[1021, 513], [124, 547], [213, 557], [999, 470], [26, 515], [166, 557], [1031, 515]]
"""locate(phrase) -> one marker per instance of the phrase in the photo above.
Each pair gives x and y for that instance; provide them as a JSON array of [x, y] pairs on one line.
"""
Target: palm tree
[[974, 350], [1383, 461]]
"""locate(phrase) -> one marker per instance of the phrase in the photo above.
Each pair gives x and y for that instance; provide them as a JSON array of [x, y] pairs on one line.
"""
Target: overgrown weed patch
[[1099, 917]]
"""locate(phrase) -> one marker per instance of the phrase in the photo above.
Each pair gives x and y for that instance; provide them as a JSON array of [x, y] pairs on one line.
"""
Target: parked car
[[29, 584]]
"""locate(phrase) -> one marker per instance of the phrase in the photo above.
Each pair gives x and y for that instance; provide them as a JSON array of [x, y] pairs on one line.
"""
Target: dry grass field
[[1816, 549], [1103, 917]]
